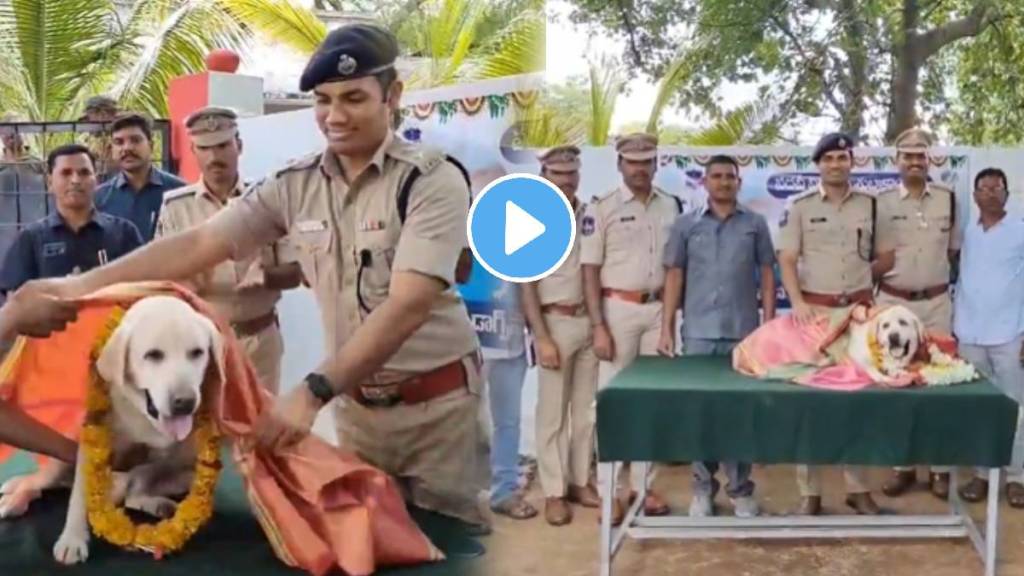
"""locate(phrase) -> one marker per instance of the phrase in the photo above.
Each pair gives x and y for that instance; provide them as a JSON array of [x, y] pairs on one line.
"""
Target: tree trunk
[[854, 85], [905, 90]]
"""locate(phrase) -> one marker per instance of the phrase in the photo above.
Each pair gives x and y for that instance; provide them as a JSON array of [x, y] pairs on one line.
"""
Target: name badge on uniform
[[898, 217], [819, 220], [627, 219], [370, 225], [311, 226], [54, 249]]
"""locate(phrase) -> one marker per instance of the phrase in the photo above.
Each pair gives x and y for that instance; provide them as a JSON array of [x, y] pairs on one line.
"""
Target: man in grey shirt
[[715, 260]]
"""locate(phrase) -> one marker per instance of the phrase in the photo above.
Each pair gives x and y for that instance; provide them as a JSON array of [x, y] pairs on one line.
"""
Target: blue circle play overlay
[[521, 228]]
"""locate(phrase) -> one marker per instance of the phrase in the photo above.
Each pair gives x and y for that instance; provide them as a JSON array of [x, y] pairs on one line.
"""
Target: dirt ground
[[532, 547]]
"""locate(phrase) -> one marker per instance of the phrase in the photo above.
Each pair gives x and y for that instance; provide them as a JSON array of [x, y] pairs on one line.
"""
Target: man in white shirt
[[988, 313]]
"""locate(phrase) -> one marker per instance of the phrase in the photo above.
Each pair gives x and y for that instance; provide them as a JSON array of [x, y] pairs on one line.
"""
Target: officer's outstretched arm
[[407, 307], [176, 257]]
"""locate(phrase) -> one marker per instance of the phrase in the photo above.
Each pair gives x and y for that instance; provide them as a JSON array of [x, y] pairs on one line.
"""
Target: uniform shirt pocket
[[314, 248], [375, 260]]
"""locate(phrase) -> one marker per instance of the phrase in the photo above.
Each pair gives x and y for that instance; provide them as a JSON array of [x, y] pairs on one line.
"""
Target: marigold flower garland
[[941, 369], [111, 522]]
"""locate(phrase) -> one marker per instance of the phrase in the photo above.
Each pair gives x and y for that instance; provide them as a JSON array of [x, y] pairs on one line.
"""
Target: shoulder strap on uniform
[[402, 202], [679, 203]]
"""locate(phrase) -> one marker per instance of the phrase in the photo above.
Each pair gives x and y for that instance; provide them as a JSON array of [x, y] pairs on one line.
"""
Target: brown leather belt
[[563, 309], [415, 390], [634, 296], [255, 325], [838, 300], [914, 295]]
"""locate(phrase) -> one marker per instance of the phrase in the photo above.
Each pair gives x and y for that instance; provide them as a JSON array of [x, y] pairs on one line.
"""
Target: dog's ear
[[216, 346], [112, 363]]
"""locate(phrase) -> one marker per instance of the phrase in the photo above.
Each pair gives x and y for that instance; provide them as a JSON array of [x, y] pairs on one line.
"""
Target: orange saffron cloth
[[320, 507]]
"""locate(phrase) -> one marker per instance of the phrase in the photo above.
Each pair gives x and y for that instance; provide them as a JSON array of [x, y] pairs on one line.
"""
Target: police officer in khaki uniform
[[567, 379], [919, 219], [624, 234], [401, 350], [829, 233], [245, 292]]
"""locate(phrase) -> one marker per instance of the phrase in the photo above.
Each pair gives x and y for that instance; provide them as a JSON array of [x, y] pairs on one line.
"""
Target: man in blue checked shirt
[[136, 192], [717, 259]]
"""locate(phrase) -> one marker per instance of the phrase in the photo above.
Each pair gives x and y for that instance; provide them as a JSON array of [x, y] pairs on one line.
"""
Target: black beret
[[830, 142], [349, 52]]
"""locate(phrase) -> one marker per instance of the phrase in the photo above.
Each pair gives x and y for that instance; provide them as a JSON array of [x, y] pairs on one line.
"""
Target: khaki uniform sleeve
[[434, 232], [790, 231], [956, 233], [255, 220], [592, 236], [885, 230], [166, 224]]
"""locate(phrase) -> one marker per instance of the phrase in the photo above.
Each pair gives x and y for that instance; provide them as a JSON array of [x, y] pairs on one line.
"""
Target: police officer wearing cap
[[101, 109], [829, 231], [919, 220], [624, 234], [402, 355], [246, 291], [567, 378]]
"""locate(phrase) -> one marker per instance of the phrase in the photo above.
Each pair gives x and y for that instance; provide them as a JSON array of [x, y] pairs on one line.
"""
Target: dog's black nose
[[894, 339], [183, 406]]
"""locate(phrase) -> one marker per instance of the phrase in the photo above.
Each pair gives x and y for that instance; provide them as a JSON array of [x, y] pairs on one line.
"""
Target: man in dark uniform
[[402, 356], [76, 237]]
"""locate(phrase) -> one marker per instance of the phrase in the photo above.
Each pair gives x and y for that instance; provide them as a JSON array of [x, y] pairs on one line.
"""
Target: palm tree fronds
[[742, 125], [606, 84], [282, 21], [519, 48]]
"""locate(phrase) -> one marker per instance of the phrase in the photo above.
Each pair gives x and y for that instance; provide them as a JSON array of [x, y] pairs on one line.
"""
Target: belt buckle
[[844, 299], [380, 396], [917, 295]]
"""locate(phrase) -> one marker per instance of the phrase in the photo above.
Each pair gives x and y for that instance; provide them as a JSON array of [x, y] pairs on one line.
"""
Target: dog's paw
[[157, 506], [18, 483], [16, 503], [71, 548]]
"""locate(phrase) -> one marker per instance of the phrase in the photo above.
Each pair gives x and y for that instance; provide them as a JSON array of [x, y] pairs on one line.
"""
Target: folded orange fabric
[[320, 507]]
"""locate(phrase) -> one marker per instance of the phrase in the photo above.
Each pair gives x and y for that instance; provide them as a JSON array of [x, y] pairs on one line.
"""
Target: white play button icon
[[520, 228]]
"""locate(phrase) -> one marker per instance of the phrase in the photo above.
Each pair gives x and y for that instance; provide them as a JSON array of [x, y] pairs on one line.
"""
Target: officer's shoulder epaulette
[[598, 198], [306, 162], [424, 157], [799, 196], [888, 191], [941, 187], [183, 192]]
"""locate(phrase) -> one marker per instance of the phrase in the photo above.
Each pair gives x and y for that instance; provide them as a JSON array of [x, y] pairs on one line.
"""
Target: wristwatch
[[320, 387]]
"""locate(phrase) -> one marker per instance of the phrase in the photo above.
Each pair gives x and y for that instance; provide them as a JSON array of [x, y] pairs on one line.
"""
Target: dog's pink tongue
[[178, 427]]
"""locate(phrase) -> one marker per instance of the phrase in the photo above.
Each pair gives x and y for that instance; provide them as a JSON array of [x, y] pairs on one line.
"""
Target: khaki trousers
[[434, 449], [635, 329], [937, 314], [265, 349], [808, 478], [565, 422]]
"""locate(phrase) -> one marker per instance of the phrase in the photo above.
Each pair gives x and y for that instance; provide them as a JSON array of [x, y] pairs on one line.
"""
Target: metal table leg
[[992, 522], [607, 471]]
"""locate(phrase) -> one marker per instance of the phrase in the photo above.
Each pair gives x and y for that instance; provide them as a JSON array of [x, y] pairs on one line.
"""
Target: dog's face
[[158, 359], [899, 333]]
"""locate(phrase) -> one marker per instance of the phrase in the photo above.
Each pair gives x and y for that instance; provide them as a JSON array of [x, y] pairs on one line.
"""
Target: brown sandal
[[515, 507], [1015, 494], [975, 490]]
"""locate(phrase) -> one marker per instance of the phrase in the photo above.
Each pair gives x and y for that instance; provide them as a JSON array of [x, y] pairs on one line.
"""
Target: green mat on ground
[[699, 408], [231, 544]]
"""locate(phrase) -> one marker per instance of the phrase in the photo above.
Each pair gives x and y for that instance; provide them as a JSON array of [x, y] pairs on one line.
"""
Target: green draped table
[[232, 544], [699, 408]]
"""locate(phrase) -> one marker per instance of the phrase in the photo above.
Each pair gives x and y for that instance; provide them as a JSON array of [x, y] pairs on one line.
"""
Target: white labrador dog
[[899, 333], [155, 363]]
